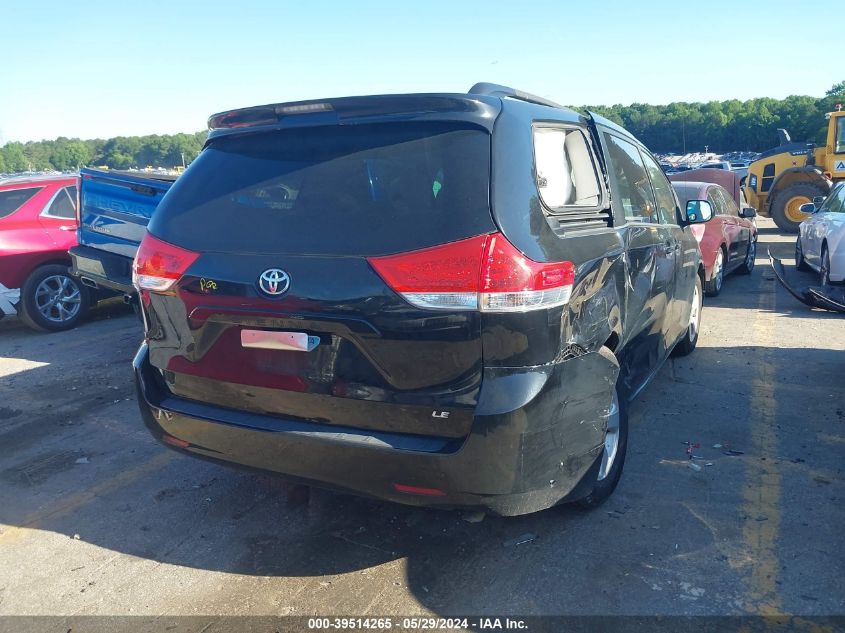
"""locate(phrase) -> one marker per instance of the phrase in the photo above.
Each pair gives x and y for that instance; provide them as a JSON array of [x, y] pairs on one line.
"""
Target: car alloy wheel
[[695, 313], [717, 275], [611, 438], [750, 256], [58, 298], [719, 270], [688, 342], [824, 269]]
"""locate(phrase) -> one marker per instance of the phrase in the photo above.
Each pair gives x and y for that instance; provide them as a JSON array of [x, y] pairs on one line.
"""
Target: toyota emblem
[[274, 282]]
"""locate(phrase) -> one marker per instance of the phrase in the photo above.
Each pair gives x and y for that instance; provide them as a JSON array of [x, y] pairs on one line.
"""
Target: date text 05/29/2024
[[417, 624]]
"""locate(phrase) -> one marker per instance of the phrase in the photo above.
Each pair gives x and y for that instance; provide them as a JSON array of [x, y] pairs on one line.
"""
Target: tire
[[824, 268], [713, 287], [782, 208], [686, 345], [614, 451], [52, 300], [800, 262], [748, 265]]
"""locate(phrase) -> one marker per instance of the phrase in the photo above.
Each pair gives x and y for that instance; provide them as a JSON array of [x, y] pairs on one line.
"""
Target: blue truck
[[114, 209]]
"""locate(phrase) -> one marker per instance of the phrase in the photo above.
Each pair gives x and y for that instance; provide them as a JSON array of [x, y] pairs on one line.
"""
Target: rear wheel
[[52, 300], [800, 262], [613, 452], [690, 340], [714, 286], [785, 208], [750, 255]]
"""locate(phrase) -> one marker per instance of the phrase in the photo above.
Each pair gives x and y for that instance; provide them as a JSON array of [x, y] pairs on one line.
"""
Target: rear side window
[[716, 201], [62, 206], [662, 192], [342, 190], [629, 183], [566, 172], [728, 202], [11, 201]]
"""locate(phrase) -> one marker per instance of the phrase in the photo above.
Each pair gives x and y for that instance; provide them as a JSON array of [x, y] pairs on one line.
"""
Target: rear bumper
[[9, 298], [103, 268], [536, 440]]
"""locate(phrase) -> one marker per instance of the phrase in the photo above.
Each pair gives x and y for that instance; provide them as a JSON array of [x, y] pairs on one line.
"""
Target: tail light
[[484, 273], [416, 490], [174, 441], [158, 265]]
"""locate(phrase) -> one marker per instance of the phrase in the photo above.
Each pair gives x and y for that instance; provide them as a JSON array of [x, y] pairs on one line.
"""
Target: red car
[[728, 242], [37, 227]]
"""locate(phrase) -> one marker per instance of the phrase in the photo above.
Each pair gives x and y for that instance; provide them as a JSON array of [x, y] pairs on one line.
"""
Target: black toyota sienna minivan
[[436, 299]]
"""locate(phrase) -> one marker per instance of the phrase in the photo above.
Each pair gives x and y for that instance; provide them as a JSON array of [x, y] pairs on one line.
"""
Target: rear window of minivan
[[342, 190]]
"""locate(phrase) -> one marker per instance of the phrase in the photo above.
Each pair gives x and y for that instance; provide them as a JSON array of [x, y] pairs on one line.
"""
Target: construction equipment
[[792, 174]]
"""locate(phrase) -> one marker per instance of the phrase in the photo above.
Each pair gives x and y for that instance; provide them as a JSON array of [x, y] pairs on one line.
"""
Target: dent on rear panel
[[567, 425], [594, 309], [169, 332]]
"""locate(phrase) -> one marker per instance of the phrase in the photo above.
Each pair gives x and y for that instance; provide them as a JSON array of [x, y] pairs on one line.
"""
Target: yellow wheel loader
[[792, 174]]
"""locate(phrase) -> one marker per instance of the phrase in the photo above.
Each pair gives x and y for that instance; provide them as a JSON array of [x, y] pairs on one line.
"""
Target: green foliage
[[837, 91], [724, 125], [69, 155], [14, 157], [122, 152]]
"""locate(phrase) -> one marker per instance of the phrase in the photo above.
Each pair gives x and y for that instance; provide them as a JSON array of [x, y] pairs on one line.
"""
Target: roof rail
[[495, 90]]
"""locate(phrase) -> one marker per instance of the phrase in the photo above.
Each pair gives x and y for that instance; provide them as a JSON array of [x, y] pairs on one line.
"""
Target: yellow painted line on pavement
[[67, 505], [761, 505]]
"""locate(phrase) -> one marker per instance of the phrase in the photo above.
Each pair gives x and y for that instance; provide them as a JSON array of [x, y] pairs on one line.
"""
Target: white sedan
[[821, 237]]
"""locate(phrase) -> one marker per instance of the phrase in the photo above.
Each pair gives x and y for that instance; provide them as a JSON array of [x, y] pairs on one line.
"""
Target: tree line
[[121, 152], [721, 126], [725, 126]]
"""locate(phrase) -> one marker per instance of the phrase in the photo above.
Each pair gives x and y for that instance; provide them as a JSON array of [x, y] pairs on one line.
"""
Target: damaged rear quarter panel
[[559, 411]]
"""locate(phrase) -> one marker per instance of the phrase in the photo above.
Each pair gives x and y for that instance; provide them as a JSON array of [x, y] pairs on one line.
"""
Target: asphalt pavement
[[96, 518]]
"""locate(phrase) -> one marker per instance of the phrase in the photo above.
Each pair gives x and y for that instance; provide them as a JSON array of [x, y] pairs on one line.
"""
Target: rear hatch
[[279, 309]]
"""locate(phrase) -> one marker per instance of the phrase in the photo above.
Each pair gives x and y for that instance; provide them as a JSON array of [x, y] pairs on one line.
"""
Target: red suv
[[728, 242], [37, 227]]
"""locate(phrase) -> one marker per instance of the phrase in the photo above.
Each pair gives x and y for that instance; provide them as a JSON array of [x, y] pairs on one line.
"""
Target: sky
[[93, 69]]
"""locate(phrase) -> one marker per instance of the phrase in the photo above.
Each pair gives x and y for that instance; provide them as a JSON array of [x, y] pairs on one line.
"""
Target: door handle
[[66, 227]]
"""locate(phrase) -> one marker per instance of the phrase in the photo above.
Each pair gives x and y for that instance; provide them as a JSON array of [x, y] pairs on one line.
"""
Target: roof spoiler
[[495, 90]]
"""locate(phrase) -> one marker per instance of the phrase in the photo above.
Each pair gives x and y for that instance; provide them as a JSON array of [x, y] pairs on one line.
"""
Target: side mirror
[[748, 212], [819, 200], [808, 207], [698, 212]]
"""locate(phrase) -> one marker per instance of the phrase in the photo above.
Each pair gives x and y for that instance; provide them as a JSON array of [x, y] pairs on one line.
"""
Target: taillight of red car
[[485, 273], [158, 265]]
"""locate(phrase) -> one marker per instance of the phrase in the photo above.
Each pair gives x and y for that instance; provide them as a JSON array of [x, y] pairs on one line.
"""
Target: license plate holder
[[274, 339]]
